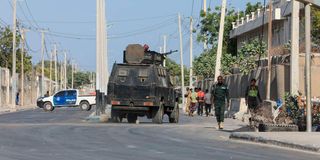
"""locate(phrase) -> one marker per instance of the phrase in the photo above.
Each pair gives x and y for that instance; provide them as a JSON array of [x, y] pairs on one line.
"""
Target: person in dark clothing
[[47, 94], [253, 98], [17, 98], [220, 93]]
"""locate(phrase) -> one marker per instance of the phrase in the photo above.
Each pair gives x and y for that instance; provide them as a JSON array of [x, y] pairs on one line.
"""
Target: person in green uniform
[[220, 93]]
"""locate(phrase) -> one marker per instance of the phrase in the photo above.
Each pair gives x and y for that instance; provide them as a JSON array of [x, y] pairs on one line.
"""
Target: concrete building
[[256, 24]]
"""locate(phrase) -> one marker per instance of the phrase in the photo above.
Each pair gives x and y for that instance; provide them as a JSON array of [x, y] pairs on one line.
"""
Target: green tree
[[209, 30], [80, 79], [248, 54], [316, 26], [175, 70], [6, 48], [204, 64]]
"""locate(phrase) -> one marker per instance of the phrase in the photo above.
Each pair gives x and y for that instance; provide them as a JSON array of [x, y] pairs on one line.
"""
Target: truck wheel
[[158, 115], [174, 116], [132, 118], [85, 106], [48, 106], [115, 117]]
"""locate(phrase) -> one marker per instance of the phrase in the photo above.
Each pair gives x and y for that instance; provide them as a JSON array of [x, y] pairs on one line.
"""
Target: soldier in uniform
[[220, 93]]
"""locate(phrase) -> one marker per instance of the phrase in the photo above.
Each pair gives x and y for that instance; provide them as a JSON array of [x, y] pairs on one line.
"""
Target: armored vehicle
[[141, 86]]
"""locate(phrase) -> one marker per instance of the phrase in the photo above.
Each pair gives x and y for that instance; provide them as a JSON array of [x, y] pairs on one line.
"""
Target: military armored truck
[[141, 86]]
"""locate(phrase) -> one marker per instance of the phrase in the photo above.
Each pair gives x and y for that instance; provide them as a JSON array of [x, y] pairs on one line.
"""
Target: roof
[[286, 9]]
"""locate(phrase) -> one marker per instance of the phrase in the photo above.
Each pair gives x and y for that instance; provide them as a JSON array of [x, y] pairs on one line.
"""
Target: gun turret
[[136, 54]]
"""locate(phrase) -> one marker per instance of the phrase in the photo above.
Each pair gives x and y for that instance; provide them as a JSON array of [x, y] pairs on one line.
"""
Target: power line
[[192, 8], [111, 21], [33, 19], [3, 22]]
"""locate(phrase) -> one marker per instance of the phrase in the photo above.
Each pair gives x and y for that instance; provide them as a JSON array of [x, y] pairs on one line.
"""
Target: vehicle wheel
[[115, 117], [174, 116], [48, 106], [158, 115], [132, 118], [85, 106]]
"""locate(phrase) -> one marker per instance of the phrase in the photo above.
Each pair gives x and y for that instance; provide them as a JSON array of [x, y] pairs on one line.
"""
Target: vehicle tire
[[85, 106], [132, 118], [158, 114], [47, 106], [115, 117], [174, 116]]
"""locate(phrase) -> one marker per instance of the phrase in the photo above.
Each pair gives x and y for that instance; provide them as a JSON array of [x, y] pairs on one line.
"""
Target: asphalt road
[[63, 134]]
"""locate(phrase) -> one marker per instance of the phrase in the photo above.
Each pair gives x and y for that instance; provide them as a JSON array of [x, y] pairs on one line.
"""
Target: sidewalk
[[8, 109], [296, 140]]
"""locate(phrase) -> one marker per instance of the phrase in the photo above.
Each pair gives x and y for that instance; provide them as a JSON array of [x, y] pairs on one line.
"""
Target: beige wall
[[280, 80]]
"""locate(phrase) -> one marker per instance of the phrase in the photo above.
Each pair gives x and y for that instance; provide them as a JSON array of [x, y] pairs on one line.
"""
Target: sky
[[71, 24]]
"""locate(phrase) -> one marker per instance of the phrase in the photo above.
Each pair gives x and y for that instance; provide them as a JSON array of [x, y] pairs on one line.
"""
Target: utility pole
[[55, 67], [72, 71], [42, 63], [65, 70], [191, 52], [269, 50], [14, 32], [164, 48], [294, 62], [101, 56], [98, 50], [23, 39], [308, 65], [205, 6], [50, 70], [61, 75], [220, 40], [205, 44], [181, 60]]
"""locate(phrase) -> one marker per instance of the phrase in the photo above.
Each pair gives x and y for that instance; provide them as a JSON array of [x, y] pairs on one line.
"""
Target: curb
[[13, 110], [257, 139]]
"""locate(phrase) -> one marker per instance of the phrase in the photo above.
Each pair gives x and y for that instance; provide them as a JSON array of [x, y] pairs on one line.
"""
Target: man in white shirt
[[208, 102]]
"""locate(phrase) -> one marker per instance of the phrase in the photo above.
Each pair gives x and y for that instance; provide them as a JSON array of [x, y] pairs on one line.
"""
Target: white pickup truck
[[67, 98]]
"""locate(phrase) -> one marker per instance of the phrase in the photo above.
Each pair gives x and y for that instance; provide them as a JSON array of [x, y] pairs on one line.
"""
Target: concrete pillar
[[252, 14], [294, 61]]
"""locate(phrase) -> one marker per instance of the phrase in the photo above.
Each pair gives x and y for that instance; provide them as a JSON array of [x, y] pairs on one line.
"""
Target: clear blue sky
[[131, 21]]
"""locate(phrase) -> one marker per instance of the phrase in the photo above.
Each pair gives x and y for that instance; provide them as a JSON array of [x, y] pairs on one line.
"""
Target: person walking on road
[[193, 103], [17, 98], [208, 102], [188, 98], [200, 102], [220, 92], [252, 97]]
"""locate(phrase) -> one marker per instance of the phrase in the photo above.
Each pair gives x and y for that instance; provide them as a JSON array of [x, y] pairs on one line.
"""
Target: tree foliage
[[175, 71], [80, 79], [248, 54], [316, 26], [6, 47], [204, 65]]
